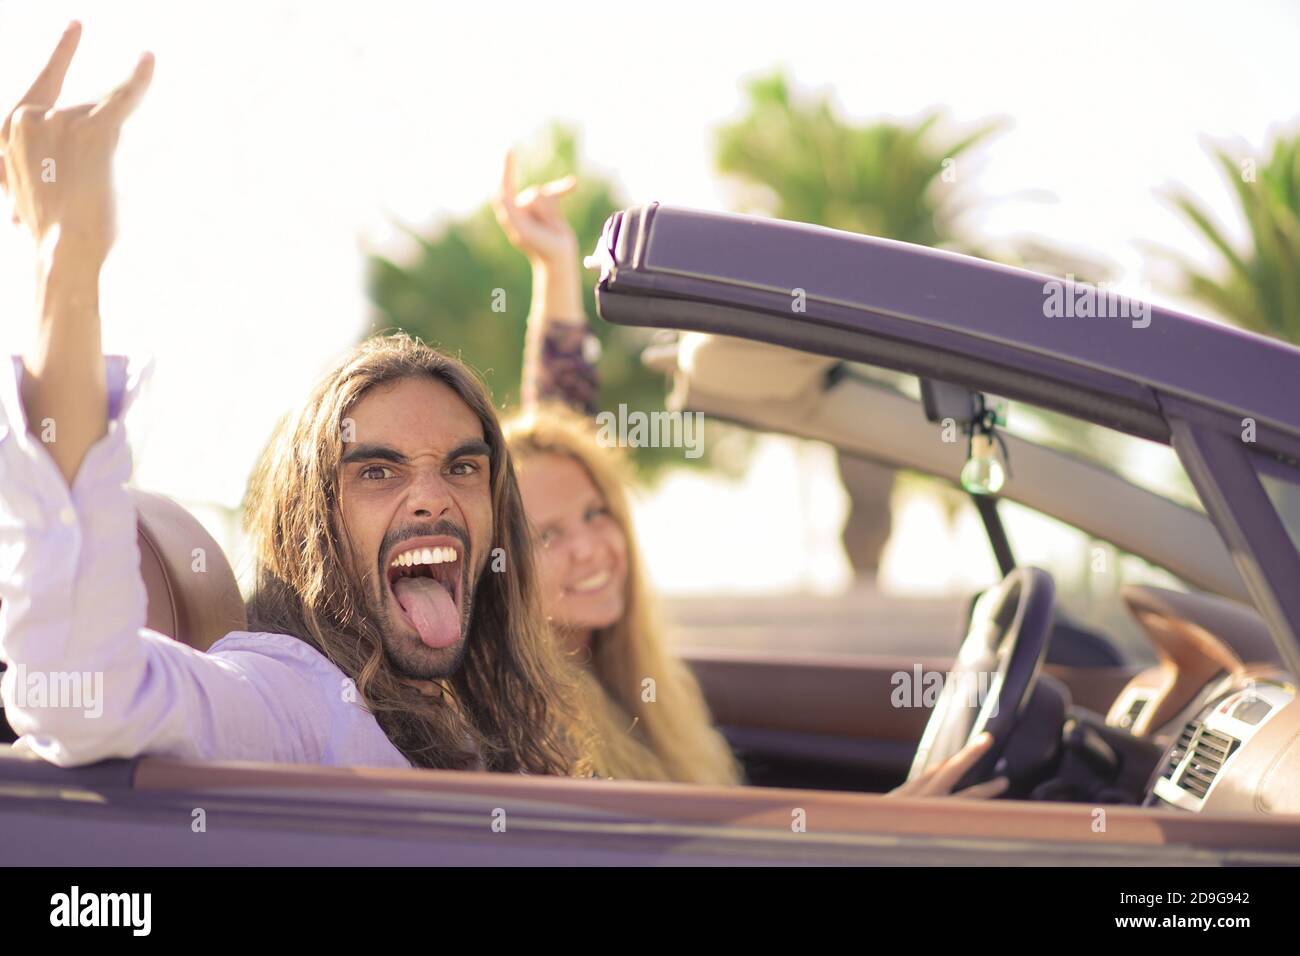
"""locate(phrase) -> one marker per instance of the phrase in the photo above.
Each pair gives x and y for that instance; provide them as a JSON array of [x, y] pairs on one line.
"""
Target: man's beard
[[409, 656]]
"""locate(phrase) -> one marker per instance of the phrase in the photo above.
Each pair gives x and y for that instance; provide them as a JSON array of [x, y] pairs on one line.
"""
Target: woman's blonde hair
[[670, 737]]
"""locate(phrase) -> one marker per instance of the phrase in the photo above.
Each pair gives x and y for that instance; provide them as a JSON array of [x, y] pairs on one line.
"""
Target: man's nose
[[429, 495]]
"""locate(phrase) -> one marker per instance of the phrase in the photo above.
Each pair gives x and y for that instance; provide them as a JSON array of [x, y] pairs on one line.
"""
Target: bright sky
[[281, 140]]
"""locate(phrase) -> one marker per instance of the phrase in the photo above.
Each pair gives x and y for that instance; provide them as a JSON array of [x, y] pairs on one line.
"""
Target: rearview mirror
[[978, 418], [943, 400]]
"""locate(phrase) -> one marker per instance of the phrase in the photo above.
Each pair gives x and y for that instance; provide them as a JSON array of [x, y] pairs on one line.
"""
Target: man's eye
[[464, 468], [375, 472], [598, 512]]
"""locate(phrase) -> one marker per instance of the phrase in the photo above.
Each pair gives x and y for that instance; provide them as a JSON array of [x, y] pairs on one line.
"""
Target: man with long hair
[[395, 600]]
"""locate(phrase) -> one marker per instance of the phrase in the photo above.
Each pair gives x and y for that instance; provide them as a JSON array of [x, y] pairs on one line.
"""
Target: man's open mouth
[[424, 576]]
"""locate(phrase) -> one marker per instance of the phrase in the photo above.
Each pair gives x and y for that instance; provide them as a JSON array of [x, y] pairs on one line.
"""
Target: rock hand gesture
[[56, 172]]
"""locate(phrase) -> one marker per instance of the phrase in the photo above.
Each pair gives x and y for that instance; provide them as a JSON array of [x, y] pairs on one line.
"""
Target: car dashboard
[[1206, 752], [1218, 704]]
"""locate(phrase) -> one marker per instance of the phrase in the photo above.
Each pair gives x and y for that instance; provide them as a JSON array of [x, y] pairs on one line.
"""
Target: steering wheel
[[994, 675]]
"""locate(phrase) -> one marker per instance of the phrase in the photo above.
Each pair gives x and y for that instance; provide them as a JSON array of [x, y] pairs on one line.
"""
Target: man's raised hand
[[56, 171], [56, 163]]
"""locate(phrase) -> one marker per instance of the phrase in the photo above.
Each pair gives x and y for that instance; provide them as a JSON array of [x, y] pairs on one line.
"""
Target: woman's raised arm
[[559, 348]]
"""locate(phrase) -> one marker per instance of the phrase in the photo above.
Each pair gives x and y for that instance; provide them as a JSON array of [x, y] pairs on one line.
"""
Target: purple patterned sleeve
[[562, 367]]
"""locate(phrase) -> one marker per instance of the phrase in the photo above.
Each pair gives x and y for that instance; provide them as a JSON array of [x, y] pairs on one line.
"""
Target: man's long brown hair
[[512, 700]]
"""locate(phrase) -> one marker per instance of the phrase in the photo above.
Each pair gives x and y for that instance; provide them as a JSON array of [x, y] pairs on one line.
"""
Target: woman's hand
[[939, 781], [534, 224], [533, 221]]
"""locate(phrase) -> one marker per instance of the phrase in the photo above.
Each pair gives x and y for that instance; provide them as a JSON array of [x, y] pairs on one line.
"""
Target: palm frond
[[1257, 287]]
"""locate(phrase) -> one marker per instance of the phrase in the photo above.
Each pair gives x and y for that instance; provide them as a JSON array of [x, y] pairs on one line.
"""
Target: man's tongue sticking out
[[431, 609]]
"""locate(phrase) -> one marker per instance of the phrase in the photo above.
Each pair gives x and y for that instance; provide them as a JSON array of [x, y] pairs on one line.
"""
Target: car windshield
[[1282, 485], [1147, 464], [1089, 574], [1144, 463]]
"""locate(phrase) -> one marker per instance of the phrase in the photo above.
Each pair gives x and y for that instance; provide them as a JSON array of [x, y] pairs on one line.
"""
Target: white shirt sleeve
[[86, 680]]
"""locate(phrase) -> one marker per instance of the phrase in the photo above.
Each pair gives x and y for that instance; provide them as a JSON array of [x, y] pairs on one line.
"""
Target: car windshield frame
[[1176, 380]]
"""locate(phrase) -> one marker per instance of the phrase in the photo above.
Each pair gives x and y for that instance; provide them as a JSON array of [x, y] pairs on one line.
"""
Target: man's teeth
[[597, 580], [424, 556]]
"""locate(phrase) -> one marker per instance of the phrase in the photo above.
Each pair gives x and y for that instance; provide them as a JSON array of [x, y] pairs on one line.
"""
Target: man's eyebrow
[[373, 453], [470, 449]]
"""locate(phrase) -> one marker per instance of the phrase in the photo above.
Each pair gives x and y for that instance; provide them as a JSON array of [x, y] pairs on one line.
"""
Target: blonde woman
[[648, 714], [650, 718]]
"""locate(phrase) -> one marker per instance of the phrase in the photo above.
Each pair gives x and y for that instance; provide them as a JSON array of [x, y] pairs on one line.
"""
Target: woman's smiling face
[[582, 551]]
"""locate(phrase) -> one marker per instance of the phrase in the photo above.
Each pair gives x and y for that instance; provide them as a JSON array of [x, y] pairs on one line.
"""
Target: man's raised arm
[[73, 611], [57, 170]]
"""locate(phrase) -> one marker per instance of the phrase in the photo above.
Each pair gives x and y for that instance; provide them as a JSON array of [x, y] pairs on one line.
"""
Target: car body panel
[[846, 721], [263, 814]]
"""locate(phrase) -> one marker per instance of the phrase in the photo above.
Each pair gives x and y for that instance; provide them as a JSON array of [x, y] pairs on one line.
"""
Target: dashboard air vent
[[1209, 753], [1181, 747]]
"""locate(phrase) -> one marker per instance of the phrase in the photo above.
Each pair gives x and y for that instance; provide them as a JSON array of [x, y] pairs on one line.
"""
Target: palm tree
[[467, 290], [1258, 288], [896, 179], [886, 178]]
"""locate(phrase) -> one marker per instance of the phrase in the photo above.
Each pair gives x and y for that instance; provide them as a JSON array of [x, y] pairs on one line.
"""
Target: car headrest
[[739, 368], [193, 595]]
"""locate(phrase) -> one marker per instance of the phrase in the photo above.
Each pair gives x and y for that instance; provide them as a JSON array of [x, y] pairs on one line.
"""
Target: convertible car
[[1176, 745]]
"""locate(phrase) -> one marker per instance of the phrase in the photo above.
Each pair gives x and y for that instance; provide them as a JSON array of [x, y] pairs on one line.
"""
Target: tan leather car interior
[[193, 594]]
